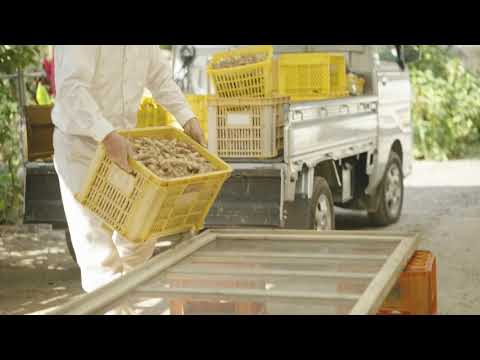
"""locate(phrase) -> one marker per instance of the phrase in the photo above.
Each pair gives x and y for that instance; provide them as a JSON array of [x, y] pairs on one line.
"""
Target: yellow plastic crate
[[153, 114], [141, 206], [246, 127], [253, 80], [356, 85], [338, 75], [310, 76]]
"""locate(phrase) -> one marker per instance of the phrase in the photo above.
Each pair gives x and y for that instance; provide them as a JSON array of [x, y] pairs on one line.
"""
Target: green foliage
[[10, 189], [12, 57], [446, 110]]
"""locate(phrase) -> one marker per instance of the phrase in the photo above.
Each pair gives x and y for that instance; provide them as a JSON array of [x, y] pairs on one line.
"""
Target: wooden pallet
[[277, 271]]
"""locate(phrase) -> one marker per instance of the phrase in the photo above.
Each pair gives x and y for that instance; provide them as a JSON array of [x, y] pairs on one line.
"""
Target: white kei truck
[[352, 152]]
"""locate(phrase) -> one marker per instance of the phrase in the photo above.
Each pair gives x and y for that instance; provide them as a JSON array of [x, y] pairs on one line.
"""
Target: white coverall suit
[[99, 90]]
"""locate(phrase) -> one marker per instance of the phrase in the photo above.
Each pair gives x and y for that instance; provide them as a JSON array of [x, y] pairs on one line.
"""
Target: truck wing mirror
[[411, 54]]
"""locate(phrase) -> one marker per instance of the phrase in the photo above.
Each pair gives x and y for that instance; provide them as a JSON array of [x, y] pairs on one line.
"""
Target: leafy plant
[[12, 57], [10, 192], [446, 110]]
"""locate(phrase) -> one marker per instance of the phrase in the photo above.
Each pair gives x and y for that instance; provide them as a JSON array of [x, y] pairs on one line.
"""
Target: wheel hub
[[323, 214], [393, 190]]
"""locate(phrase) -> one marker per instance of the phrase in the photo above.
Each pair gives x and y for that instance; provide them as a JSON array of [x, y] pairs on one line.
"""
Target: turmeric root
[[239, 60], [170, 159]]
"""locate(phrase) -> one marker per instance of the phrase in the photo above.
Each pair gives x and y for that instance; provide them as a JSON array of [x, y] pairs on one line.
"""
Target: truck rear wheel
[[71, 250], [391, 194], [322, 209]]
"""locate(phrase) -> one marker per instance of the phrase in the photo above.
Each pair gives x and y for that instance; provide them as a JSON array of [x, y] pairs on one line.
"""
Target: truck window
[[388, 56]]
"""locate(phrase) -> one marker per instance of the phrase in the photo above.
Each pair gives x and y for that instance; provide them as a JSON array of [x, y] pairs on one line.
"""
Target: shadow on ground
[[36, 271]]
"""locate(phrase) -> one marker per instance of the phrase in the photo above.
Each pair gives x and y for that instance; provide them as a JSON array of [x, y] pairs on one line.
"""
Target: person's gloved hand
[[118, 149], [192, 128]]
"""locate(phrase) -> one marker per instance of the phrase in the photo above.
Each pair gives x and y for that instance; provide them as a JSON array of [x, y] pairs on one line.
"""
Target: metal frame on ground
[[141, 282]]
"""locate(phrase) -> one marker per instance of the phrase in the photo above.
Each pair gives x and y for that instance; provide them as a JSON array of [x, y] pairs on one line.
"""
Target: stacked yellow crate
[[247, 115], [152, 114], [311, 76], [244, 119]]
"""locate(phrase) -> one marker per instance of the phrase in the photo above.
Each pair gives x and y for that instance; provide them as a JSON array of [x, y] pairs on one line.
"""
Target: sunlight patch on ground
[[460, 173]]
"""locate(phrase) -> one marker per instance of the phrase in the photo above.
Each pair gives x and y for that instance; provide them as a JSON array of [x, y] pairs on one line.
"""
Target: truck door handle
[[384, 81]]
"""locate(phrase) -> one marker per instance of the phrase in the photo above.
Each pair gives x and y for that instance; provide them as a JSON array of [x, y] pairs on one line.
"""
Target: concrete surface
[[442, 201]]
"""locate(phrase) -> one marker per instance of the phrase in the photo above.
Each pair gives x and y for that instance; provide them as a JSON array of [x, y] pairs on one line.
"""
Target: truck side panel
[[394, 104], [328, 130]]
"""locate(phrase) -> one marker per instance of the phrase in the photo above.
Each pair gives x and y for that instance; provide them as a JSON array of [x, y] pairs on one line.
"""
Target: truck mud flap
[[248, 198], [43, 201]]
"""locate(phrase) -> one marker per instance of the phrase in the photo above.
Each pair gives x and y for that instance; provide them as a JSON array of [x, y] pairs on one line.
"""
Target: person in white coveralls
[[99, 90]]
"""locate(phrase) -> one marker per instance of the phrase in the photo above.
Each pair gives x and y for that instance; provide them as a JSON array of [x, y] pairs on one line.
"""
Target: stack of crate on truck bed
[[151, 114], [246, 117]]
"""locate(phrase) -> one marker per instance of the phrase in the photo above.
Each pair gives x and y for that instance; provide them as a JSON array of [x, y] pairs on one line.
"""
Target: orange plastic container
[[416, 291]]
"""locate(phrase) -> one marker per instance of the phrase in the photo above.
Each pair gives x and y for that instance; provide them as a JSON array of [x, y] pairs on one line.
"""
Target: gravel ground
[[442, 201]]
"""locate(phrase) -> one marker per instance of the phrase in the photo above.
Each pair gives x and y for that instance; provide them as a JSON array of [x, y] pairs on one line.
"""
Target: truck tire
[[71, 250], [391, 192], [322, 212]]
